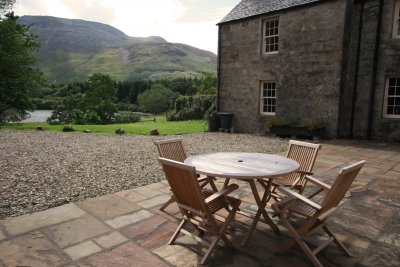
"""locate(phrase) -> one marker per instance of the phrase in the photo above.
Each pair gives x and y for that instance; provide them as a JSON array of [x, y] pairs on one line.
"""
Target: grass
[[163, 126]]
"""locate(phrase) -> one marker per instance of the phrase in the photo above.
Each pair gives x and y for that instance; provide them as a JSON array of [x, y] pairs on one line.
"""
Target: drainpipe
[[354, 99], [374, 70], [219, 67]]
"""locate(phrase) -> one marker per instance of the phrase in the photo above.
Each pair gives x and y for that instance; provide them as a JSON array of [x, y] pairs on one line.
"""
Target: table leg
[[261, 210]]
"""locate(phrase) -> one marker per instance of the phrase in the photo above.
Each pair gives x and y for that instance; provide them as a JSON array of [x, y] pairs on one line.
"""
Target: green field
[[163, 126]]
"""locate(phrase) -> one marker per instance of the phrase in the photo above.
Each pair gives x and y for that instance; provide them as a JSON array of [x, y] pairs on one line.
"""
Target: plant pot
[[213, 124], [226, 119]]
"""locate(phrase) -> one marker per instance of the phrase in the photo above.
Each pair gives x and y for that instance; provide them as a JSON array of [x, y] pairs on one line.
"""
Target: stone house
[[336, 62]]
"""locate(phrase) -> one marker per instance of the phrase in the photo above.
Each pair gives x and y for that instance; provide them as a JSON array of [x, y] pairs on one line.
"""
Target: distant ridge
[[73, 49]]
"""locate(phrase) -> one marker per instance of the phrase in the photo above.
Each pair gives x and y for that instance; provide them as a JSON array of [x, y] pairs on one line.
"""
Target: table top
[[242, 165]]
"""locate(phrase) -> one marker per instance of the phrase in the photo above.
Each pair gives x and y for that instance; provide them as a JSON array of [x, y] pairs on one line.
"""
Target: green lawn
[[140, 128]]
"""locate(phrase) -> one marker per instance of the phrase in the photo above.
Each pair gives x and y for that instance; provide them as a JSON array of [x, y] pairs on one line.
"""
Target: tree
[[5, 6], [157, 99], [18, 73], [100, 96], [206, 85]]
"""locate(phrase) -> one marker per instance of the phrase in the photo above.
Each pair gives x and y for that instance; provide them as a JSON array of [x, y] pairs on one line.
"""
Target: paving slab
[[125, 220], [33, 249], [179, 256], [152, 232], [108, 206], [110, 240], [131, 195], [380, 254], [148, 191], [354, 214], [155, 201], [391, 234], [125, 255], [82, 250], [75, 231], [29, 222]]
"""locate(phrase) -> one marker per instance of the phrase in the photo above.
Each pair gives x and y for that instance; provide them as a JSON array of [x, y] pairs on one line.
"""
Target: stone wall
[[307, 68], [315, 68], [388, 65]]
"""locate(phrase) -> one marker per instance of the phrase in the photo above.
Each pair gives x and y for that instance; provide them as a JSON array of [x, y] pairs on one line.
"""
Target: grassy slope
[[143, 60], [140, 128]]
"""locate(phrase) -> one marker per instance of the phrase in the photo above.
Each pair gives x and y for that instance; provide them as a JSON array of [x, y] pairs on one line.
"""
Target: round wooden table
[[240, 165], [250, 167]]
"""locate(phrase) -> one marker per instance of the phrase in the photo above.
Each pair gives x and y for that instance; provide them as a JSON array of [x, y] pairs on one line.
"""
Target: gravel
[[40, 170]]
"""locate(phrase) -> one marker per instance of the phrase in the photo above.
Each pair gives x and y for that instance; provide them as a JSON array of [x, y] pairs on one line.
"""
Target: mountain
[[72, 50]]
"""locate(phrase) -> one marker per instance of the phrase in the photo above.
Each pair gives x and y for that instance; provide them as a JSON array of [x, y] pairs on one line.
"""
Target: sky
[[191, 22]]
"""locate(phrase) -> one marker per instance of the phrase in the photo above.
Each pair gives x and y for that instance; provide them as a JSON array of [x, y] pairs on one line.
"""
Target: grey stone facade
[[315, 68]]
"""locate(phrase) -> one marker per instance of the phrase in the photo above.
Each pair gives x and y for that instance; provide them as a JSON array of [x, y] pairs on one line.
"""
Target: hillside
[[72, 50]]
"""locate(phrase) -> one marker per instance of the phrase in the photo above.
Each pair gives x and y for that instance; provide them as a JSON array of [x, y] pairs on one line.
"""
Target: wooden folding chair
[[315, 213], [173, 149], [305, 154], [198, 206]]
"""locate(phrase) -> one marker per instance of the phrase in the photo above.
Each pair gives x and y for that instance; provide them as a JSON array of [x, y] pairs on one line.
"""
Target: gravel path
[[40, 170]]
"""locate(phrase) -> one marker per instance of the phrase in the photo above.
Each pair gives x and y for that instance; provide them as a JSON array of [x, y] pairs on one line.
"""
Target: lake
[[38, 116]]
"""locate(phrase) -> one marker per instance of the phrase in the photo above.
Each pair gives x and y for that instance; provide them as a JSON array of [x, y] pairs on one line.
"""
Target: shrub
[[126, 117], [191, 107]]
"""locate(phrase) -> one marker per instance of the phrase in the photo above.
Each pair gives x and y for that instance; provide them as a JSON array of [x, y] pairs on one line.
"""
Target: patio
[[127, 229]]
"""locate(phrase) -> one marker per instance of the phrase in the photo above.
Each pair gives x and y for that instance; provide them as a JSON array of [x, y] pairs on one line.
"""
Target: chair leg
[[212, 184], [177, 231], [298, 239], [337, 241], [226, 182], [166, 204], [210, 250], [252, 227]]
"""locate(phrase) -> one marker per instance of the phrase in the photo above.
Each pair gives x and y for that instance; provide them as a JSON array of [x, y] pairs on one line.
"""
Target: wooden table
[[250, 167]]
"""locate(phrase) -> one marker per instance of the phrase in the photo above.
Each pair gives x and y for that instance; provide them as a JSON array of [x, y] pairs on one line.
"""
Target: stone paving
[[127, 229]]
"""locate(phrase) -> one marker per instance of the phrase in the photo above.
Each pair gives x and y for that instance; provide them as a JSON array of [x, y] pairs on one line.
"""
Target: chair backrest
[[183, 182], [171, 149], [304, 153], [341, 185]]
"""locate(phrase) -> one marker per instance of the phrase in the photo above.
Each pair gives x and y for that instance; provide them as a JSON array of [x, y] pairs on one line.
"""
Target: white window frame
[[266, 97], [396, 20], [396, 97], [270, 35]]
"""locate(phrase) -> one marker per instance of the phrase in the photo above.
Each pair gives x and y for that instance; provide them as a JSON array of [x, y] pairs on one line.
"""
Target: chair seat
[[219, 203], [299, 207]]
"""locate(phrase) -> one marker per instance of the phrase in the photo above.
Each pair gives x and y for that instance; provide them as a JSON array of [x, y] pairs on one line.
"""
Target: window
[[392, 98], [396, 20], [271, 36], [268, 98]]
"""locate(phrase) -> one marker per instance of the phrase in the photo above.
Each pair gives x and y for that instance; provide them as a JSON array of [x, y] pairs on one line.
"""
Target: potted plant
[[289, 127], [211, 116]]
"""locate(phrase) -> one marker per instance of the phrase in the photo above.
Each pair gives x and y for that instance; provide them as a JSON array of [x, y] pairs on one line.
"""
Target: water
[[38, 116]]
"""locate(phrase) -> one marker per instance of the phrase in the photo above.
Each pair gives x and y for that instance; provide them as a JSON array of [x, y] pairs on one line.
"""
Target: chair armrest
[[305, 172], [317, 182], [293, 194], [225, 191]]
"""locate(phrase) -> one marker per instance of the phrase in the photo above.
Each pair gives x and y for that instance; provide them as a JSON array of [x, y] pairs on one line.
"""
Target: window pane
[[392, 82], [389, 110], [390, 101], [391, 90], [268, 100]]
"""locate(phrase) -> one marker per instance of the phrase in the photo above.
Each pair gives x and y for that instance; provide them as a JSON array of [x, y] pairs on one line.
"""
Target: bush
[[121, 106], [191, 107], [126, 117]]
